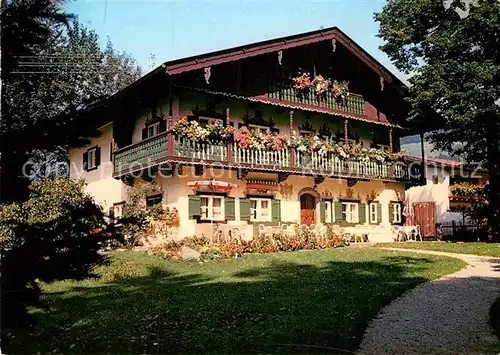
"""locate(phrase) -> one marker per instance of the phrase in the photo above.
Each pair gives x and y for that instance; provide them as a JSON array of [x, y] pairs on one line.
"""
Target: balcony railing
[[167, 148], [354, 104]]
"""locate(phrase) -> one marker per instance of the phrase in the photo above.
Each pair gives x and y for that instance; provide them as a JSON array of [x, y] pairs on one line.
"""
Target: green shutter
[[339, 218], [322, 208], [194, 207], [229, 207], [276, 211], [362, 213], [391, 213], [85, 161], [379, 213], [244, 209]]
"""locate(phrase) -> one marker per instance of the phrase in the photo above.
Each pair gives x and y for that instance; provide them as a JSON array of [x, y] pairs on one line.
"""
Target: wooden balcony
[[166, 148], [355, 104]]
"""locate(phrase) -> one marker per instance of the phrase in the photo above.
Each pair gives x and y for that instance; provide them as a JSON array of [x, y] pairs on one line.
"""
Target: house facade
[[303, 129]]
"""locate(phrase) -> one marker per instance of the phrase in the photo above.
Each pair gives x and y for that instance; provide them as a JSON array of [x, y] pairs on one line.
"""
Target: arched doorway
[[307, 209]]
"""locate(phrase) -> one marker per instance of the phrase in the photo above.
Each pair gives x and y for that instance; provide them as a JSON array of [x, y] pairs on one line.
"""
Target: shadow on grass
[[281, 307]]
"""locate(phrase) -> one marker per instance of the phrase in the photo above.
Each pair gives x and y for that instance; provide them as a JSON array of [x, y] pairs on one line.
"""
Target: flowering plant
[[170, 217], [302, 82], [321, 85], [246, 138], [214, 131], [313, 143], [340, 90]]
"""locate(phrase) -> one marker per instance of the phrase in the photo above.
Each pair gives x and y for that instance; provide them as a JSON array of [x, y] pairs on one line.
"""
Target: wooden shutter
[[379, 213], [194, 207], [86, 161], [244, 209], [339, 217], [97, 156], [322, 208], [362, 213], [229, 208], [144, 133], [276, 211], [163, 126], [391, 213]]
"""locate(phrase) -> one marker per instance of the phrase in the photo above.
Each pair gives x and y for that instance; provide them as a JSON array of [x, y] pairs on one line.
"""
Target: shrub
[[55, 234]]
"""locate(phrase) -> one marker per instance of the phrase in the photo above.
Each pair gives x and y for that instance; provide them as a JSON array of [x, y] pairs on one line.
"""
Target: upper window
[[260, 209], [257, 128], [383, 147], [373, 213], [396, 213], [92, 154], [212, 208], [204, 121], [350, 212], [154, 200], [153, 130], [92, 158]]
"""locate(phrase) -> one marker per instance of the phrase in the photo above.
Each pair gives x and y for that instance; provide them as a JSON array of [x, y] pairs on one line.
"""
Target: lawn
[[486, 249], [300, 302]]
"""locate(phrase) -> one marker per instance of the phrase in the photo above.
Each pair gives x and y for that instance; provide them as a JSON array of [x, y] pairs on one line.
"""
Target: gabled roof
[[250, 50], [182, 65]]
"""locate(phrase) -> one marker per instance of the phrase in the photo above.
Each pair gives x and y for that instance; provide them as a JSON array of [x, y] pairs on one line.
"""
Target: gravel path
[[444, 316]]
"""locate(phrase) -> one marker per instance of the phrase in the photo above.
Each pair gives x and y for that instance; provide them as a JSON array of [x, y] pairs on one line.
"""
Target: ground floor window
[[328, 212], [154, 200], [212, 208], [373, 213], [260, 209], [396, 213], [350, 212]]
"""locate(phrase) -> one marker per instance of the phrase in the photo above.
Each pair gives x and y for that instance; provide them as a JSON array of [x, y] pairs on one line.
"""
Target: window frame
[[259, 209], [156, 129], [259, 128], [373, 212], [397, 212], [350, 213], [92, 163], [384, 147], [154, 197], [329, 217], [210, 208]]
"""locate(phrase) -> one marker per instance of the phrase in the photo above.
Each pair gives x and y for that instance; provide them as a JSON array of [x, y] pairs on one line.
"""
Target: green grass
[[301, 302], [485, 249]]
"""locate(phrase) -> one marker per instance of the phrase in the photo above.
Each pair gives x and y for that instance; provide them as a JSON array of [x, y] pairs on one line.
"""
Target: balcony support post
[[170, 136], [229, 144], [346, 144], [292, 149], [393, 167]]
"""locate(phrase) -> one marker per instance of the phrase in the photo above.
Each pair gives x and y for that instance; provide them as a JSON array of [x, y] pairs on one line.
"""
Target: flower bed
[[298, 240]]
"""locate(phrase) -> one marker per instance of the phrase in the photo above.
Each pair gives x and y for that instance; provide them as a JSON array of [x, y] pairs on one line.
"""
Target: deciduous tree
[[451, 50]]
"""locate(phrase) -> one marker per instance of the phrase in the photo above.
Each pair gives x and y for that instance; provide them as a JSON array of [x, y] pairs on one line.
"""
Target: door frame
[[317, 198]]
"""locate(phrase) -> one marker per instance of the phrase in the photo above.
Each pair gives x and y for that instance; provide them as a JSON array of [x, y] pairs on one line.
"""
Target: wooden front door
[[307, 209], [425, 216]]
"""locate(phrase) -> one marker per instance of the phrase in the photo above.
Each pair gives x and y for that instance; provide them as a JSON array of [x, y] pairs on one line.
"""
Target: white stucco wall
[[100, 184], [437, 193], [176, 194]]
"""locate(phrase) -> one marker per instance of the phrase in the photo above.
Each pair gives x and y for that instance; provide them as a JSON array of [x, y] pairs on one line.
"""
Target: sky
[[177, 29]]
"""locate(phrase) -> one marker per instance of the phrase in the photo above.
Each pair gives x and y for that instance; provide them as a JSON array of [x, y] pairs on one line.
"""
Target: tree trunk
[[493, 189]]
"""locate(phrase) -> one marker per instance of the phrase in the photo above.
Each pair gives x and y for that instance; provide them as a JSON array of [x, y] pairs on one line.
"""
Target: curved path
[[445, 316]]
